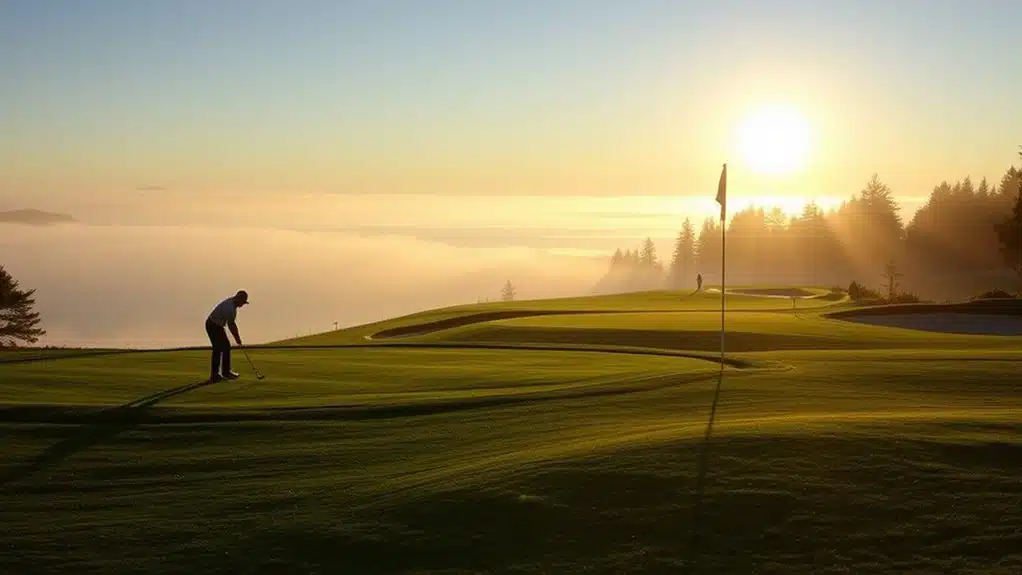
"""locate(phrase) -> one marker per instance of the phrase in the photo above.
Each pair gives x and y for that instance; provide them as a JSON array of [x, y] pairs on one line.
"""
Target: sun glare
[[775, 141]]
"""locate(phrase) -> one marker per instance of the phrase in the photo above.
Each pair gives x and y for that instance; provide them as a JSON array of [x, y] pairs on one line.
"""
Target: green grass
[[745, 332], [339, 377], [651, 301], [555, 443], [21, 354]]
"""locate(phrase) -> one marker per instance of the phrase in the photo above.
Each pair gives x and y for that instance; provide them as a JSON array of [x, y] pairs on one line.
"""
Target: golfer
[[224, 316]]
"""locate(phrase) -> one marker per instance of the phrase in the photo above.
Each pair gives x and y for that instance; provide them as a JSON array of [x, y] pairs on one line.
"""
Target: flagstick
[[701, 476], [723, 284], [723, 256]]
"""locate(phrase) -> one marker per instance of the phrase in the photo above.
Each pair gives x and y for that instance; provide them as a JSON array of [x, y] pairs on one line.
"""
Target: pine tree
[[508, 293], [17, 319], [872, 225], [1009, 232], [683, 259], [647, 256], [881, 208], [616, 260], [632, 257], [709, 249], [1010, 235]]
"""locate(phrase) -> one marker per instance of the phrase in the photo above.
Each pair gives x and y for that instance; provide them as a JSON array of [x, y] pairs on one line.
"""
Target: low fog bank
[[150, 286]]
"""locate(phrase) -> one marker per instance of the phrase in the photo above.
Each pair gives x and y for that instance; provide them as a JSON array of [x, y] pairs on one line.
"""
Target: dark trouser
[[221, 347]]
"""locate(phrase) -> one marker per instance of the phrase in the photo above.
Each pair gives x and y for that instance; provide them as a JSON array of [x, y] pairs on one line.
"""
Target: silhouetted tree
[[632, 259], [647, 257], [683, 260], [815, 251], [708, 249], [1009, 232], [633, 270], [891, 274], [18, 320], [509, 292], [617, 260], [748, 247], [650, 269]]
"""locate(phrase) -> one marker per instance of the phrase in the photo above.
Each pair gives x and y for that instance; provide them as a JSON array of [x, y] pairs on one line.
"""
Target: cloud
[[144, 286]]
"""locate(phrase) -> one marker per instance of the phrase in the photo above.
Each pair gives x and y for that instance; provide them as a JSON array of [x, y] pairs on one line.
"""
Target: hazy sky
[[330, 137], [498, 97]]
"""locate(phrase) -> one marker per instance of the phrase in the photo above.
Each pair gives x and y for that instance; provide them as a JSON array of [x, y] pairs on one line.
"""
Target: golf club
[[259, 375]]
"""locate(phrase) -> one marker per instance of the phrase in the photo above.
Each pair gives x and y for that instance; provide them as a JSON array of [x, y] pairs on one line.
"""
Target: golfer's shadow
[[106, 424]]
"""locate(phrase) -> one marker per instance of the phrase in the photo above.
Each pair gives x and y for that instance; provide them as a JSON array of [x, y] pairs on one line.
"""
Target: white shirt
[[225, 312]]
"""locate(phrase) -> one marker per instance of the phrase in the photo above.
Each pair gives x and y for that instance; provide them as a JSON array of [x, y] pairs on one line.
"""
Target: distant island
[[34, 217]]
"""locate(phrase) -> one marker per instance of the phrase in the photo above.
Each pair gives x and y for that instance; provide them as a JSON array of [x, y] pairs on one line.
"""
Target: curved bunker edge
[[981, 317]]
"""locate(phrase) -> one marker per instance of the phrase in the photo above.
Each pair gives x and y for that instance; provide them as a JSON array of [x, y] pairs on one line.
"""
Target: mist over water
[[144, 269], [152, 286]]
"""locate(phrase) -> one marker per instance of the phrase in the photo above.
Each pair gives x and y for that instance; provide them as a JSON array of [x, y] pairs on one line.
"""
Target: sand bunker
[[958, 323]]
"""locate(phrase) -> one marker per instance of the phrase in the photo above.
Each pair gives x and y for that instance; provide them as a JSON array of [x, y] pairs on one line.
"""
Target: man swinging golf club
[[221, 318]]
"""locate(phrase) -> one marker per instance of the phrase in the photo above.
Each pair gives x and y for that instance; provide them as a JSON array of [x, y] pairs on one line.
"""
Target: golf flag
[[722, 193]]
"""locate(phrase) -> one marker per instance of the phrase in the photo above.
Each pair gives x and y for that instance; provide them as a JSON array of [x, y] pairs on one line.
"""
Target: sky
[[556, 127]]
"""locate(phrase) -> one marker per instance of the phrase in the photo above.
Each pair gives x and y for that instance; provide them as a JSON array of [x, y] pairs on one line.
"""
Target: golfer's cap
[[242, 295]]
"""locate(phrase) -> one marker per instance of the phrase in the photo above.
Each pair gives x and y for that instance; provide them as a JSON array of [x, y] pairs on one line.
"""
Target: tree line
[[964, 240]]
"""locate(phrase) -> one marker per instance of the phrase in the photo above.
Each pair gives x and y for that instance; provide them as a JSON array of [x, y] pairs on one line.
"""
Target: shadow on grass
[[131, 415], [773, 504], [110, 423], [868, 501]]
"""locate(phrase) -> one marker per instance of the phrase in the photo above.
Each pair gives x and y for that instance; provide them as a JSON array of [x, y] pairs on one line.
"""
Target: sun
[[775, 141]]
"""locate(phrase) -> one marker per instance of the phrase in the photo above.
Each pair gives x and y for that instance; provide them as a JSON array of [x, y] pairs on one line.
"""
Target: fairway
[[554, 436]]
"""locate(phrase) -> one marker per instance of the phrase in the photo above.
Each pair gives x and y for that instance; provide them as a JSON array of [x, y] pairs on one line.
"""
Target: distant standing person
[[699, 282], [223, 317]]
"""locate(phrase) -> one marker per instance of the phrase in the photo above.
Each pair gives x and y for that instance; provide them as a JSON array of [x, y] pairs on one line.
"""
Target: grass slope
[[862, 449], [651, 301], [746, 332]]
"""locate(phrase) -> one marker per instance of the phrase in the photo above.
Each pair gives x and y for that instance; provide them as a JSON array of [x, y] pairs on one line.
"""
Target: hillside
[[542, 436]]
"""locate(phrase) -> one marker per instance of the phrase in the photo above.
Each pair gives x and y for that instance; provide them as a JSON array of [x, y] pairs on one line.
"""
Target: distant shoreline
[[34, 217]]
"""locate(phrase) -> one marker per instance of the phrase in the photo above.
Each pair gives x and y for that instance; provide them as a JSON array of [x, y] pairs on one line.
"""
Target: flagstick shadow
[[110, 423], [700, 482]]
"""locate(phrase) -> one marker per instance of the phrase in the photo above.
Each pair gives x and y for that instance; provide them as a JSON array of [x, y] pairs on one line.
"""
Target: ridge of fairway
[[747, 332], [485, 317], [661, 301], [149, 414], [94, 392]]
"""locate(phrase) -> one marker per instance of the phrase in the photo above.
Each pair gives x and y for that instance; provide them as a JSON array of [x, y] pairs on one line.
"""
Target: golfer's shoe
[[215, 378], [231, 375]]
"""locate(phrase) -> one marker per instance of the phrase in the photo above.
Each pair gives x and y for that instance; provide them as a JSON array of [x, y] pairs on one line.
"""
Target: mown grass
[[652, 301], [700, 331], [22, 354], [335, 377], [872, 450]]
